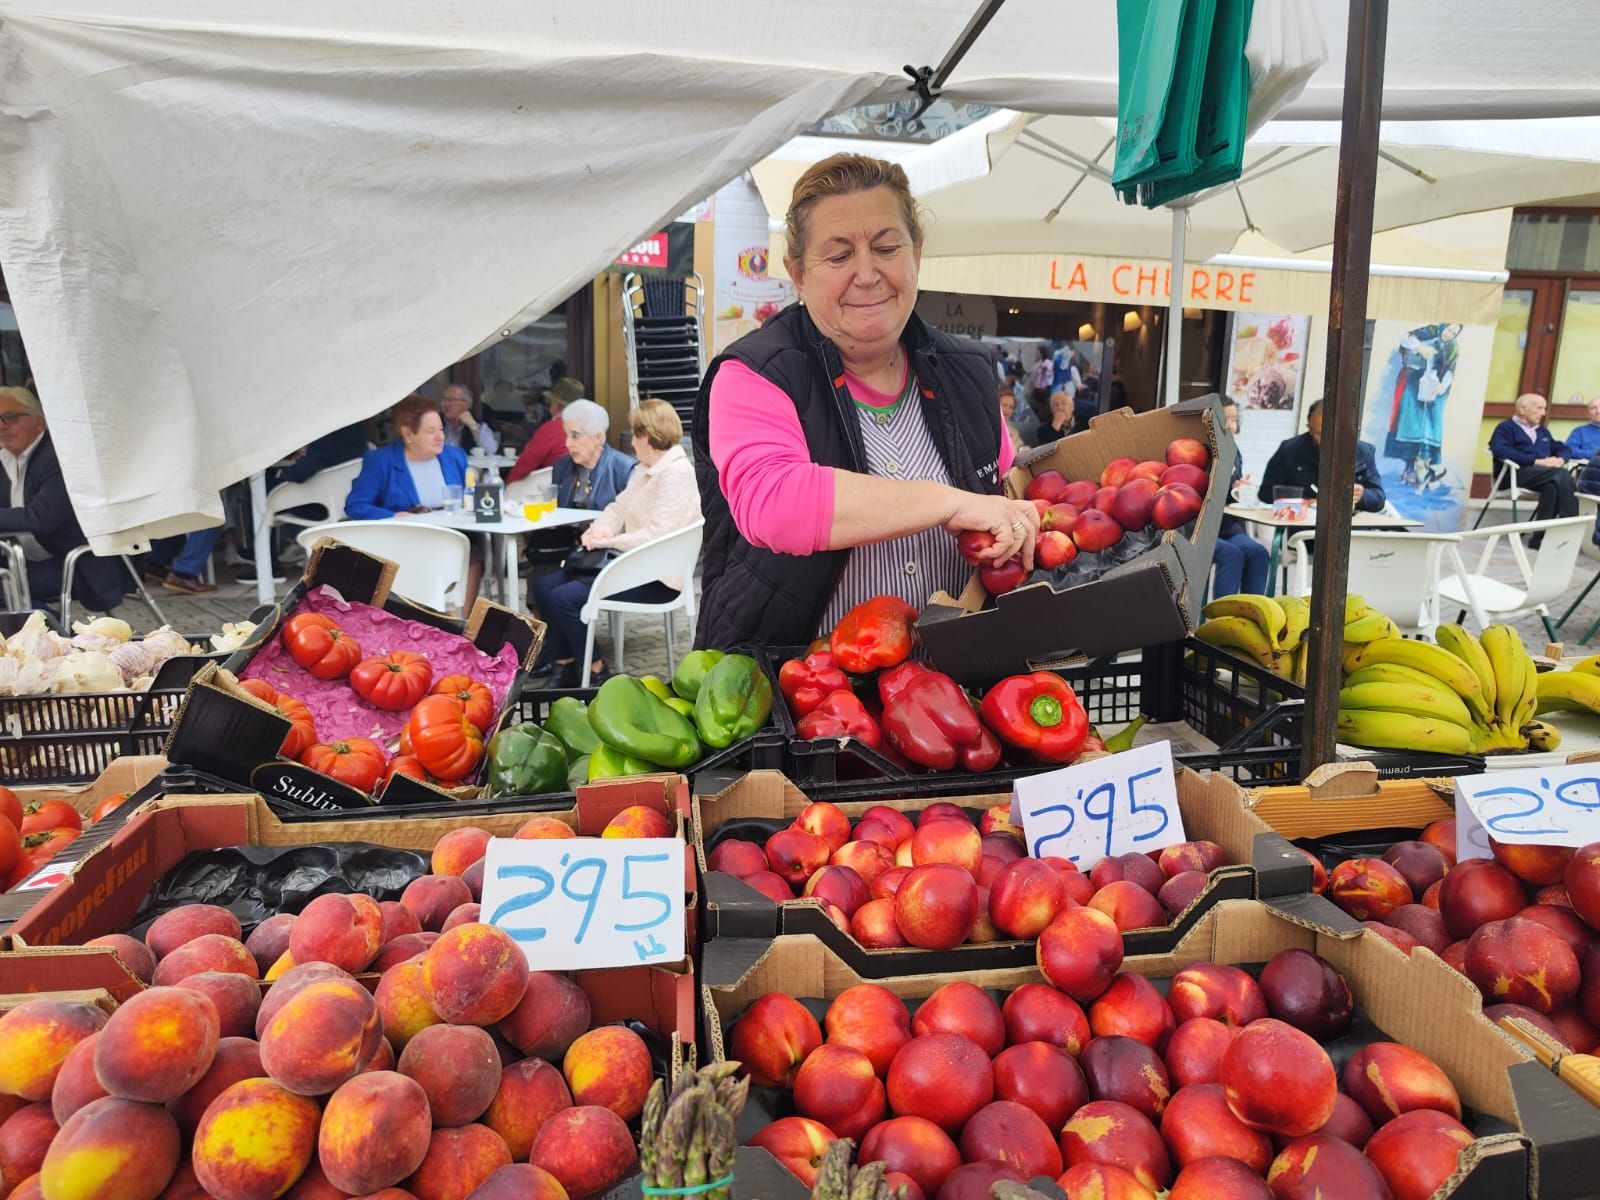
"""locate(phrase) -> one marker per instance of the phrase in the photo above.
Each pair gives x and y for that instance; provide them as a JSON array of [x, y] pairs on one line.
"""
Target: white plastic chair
[[1505, 486], [1547, 578], [432, 559], [524, 489], [326, 489], [1396, 573], [670, 557]]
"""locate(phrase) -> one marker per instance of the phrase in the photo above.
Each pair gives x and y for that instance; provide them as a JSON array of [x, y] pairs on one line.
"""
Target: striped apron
[[912, 567]]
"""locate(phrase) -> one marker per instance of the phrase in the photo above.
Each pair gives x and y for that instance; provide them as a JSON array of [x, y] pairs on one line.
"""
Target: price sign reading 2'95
[[1553, 806], [573, 903], [1113, 805]]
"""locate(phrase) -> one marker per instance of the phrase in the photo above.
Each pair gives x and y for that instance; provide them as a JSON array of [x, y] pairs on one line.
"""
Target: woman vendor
[[841, 447]]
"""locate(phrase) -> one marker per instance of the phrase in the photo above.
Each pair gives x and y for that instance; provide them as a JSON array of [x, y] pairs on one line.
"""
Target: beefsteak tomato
[[108, 806], [394, 681], [302, 729], [406, 764], [10, 806], [448, 745], [10, 846], [44, 815], [318, 644], [475, 698], [355, 761]]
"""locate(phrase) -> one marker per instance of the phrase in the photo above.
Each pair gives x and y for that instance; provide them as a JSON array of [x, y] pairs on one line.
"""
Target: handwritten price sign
[[1124, 802], [1557, 806], [577, 903]]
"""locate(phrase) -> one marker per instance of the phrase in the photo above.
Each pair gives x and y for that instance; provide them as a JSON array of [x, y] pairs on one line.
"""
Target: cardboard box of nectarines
[[743, 897], [1152, 597], [104, 892], [1367, 1046], [228, 732]]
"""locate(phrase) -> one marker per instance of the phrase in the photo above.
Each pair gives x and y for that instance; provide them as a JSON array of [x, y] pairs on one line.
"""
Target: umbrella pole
[[1341, 409], [1175, 284]]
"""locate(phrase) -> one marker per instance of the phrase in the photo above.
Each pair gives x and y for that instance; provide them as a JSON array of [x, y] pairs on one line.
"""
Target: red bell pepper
[[1038, 713], [806, 682], [840, 714], [930, 720], [876, 633], [894, 680]]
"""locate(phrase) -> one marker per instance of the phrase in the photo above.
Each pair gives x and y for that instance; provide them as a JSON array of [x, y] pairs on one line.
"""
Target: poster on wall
[[744, 295], [1266, 356], [1421, 414]]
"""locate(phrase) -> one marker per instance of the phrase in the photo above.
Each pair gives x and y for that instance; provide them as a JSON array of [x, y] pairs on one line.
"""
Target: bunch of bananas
[[1577, 690], [1464, 695], [1272, 632]]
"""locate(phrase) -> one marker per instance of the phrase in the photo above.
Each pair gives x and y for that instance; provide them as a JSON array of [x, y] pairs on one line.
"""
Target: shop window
[[1558, 240]]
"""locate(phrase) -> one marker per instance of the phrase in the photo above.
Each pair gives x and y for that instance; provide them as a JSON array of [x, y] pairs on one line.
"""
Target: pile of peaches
[[943, 880], [1218, 1087], [1521, 925], [1087, 516], [460, 1073]]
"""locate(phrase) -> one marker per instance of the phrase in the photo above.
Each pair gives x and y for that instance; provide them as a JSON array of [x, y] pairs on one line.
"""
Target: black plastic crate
[[72, 738], [1113, 691]]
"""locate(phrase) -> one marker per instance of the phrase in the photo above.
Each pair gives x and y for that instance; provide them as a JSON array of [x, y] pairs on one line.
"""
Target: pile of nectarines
[[1086, 516], [942, 880], [461, 1073], [1218, 1087], [1521, 925]]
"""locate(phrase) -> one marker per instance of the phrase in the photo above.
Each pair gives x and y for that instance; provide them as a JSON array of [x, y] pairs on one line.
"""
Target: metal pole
[[1175, 288], [1341, 409]]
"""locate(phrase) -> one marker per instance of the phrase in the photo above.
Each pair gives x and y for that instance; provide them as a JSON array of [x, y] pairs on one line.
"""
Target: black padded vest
[[753, 595]]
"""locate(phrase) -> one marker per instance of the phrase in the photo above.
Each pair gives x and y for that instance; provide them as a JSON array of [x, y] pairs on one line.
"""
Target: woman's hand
[[1014, 524], [592, 540]]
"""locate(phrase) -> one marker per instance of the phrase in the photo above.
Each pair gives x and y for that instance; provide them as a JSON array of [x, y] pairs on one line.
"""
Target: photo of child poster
[[1424, 391]]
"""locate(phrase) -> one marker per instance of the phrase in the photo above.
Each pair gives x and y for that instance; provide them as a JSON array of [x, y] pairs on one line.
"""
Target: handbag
[[586, 563]]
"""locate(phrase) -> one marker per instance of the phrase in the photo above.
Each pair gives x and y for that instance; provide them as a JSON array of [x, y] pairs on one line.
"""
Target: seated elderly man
[[39, 513], [1541, 461]]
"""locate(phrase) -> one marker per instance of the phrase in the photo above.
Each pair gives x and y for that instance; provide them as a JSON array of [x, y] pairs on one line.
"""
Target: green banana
[[1402, 731], [1542, 735], [1263, 610], [1122, 739], [1367, 628], [1502, 645], [1430, 660], [1568, 691], [1417, 699], [1297, 619], [1240, 633], [1470, 651]]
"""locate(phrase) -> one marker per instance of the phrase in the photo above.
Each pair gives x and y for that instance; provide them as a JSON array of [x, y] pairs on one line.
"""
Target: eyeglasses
[[11, 418]]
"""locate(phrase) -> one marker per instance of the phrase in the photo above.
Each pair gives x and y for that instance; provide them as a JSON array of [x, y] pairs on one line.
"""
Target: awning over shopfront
[[228, 227]]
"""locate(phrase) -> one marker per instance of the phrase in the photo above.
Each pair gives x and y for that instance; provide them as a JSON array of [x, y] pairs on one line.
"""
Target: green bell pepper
[[734, 701], [526, 760], [569, 721], [608, 763], [631, 719], [678, 705], [692, 670], [656, 686], [578, 773]]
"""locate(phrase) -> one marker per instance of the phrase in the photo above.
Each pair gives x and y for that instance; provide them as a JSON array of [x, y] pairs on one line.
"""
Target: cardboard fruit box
[[763, 802], [1153, 598], [41, 948], [1535, 1137], [224, 731]]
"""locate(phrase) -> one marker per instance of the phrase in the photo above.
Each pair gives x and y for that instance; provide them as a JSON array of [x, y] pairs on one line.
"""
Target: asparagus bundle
[[838, 1180], [687, 1140]]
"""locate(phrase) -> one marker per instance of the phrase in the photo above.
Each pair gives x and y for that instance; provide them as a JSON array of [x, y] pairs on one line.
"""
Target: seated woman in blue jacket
[[592, 473], [410, 475]]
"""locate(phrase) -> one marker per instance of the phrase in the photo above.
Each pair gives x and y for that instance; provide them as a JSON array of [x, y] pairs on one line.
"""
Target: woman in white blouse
[[661, 498]]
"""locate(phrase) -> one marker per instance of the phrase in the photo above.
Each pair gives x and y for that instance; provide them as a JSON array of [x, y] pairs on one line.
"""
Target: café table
[[505, 537], [1282, 522], [482, 462]]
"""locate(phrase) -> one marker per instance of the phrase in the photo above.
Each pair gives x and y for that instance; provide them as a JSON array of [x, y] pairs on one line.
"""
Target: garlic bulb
[[105, 627], [133, 659], [166, 642], [86, 671], [35, 640]]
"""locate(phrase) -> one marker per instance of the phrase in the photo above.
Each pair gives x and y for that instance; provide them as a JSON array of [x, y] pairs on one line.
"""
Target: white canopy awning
[[229, 226]]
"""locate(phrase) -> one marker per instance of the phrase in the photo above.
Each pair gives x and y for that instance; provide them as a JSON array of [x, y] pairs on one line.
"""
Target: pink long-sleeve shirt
[[780, 499]]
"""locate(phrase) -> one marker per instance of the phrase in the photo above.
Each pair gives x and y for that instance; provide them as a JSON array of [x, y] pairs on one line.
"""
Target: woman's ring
[[1019, 530]]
